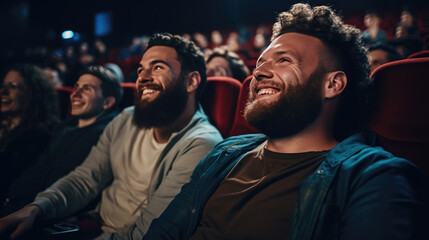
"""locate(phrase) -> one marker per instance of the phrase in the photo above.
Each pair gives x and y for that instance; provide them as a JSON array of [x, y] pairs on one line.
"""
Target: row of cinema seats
[[400, 119]]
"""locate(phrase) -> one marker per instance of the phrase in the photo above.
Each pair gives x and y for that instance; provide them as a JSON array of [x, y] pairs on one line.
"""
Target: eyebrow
[[279, 53], [153, 62], [295, 55], [84, 84]]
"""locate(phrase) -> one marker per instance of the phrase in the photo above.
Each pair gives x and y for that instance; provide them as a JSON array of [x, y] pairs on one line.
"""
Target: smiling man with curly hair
[[315, 173]]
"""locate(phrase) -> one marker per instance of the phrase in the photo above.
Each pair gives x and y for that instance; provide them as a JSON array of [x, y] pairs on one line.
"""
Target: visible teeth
[[77, 103], [265, 91], [146, 91]]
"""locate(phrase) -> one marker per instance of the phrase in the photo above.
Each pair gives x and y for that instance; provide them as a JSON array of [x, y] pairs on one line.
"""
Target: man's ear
[[193, 80], [335, 84], [108, 102]]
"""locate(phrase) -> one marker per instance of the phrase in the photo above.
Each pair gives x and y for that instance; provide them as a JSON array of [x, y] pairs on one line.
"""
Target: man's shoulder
[[243, 140], [362, 154]]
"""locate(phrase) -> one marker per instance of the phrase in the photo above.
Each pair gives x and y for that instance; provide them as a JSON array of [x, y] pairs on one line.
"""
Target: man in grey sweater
[[144, 155]]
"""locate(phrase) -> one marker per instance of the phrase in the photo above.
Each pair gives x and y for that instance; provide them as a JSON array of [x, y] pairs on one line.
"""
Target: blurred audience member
[[28, 112], [84, 48], [201, 41], [381, 53], [53, 76], [216, 39], [232, 42], [100, 51], [187, 36], [94, 104], [373, 33], [408, 21], [404, 43], [261, 40], [222, 62]]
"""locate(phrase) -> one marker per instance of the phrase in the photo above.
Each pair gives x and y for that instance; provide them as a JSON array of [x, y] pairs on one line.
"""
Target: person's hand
[[19, 222]]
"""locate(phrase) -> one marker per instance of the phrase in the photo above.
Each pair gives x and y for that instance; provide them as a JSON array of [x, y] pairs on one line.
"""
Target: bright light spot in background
[[67, 34]]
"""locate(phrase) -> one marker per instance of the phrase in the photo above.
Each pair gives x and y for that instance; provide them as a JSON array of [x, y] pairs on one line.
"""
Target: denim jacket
[[358, 192]]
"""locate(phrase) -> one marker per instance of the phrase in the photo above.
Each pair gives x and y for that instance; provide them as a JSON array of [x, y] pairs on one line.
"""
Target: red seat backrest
[[401, 115], [64, 104], [129, 90], [240, 126], [420, 54], [219, 102]]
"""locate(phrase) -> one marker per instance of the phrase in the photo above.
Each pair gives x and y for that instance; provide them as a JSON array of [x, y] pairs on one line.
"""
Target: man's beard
[[165, 109], [291, 113]]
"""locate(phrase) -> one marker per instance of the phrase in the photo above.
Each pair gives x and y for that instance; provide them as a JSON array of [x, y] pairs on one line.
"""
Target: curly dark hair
[[345, 52], [238, 68], [189, 55], [40, 106], [110, 85]]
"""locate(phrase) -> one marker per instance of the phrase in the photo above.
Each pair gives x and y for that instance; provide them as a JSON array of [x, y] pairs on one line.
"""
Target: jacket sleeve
[[184, 164], [74, 191], [386, 201]]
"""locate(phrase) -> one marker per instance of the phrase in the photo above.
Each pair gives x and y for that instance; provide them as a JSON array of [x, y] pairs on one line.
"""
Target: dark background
[[29, 23]]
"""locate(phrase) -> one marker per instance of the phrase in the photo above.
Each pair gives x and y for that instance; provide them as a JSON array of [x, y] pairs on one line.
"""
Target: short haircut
[[372, 12], [238, 68], [392, 54], [346, 52], [189, 55], [409, 10], [110, 84]]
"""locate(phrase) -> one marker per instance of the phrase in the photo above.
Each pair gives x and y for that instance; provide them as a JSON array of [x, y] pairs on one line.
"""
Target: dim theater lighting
[[67, 34]]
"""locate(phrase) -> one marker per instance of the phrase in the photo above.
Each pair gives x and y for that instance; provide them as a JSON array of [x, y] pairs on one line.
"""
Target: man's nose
[[144, 76], [263, 71], [76, 92]]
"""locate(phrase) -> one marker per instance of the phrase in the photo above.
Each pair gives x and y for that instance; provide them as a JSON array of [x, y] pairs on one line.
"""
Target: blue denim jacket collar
[[315, 188]]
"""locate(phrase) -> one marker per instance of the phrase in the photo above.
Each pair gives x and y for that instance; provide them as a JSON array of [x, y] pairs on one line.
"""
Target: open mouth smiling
[[5, 100], [77, 103], [149, 89], [266, 90], [145, 91]]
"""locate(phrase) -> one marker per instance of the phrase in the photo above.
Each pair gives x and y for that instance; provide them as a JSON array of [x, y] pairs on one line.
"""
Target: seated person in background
[[404, 43], [144, 155], [408, 21], [302, 179], [94, 104], [381, 53], [222, 62], [373, 33], [28, 113]]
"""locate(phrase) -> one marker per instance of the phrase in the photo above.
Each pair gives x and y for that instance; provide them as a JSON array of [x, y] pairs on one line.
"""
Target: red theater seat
[[240, 126], [220, 100], [401, 116], [129, 90], [420, 54], [63, 94]]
